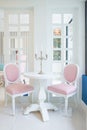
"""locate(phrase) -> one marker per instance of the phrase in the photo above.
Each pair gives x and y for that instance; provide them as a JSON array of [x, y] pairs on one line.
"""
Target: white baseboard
[[84, 106]]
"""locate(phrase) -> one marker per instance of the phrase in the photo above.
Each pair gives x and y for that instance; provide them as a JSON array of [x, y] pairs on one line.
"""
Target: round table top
[[34, 75]]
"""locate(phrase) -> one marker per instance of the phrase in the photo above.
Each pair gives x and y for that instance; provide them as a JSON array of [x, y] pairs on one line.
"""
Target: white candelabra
[[41, 58]]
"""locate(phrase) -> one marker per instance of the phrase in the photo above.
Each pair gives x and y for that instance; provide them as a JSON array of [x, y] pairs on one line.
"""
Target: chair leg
[[48, 97], [31, 97], [66, 105], [5, 99], [75, 100], [13, 105]]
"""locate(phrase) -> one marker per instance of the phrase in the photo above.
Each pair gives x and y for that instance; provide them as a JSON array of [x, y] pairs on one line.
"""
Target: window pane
[[68, 55], [56, 18], [1, 20], [68, 42], [13, 43], [24, 28], [68, 30], [57, 55], [13, 29], [12, 56], [68, 18], [24, 19], [21, 43], [14, 34], [57, 43], [57, 31], [13, 19]]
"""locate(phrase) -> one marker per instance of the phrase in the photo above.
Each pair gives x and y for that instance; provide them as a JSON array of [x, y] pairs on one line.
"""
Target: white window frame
[[62, 49]]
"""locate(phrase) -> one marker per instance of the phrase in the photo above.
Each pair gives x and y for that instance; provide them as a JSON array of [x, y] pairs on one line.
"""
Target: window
[[62, 40], [1, 36], [16, 34], [18, 29]]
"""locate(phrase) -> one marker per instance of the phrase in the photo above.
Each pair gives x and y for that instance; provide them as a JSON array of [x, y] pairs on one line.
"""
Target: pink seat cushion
[[62, 88], [18, 88]]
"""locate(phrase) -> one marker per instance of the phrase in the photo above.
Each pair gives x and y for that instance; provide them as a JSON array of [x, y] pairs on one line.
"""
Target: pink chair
[[13, 85], [68, 88]]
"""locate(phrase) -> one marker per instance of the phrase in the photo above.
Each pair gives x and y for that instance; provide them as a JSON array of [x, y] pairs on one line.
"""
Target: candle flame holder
[[41, 58]]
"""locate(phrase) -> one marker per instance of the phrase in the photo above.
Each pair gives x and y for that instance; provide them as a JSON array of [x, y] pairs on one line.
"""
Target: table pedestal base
[[42, 107], [40, 83]]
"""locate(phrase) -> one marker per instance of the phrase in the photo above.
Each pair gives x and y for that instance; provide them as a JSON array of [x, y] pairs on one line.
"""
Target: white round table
[[39, 81]]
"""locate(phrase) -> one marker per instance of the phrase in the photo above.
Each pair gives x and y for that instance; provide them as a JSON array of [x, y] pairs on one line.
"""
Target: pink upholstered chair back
[[70, 73], [12, 72]]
